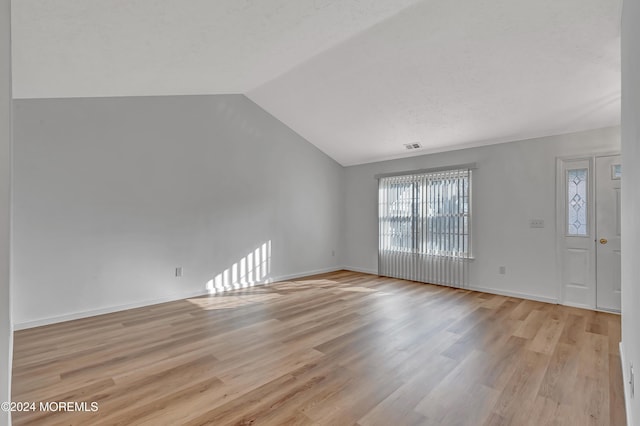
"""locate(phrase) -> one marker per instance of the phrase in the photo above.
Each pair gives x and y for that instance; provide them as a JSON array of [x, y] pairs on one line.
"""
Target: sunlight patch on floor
[[231, 302], [358, 289]]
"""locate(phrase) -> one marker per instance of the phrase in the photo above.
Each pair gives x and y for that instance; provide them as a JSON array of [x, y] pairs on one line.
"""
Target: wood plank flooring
[[336, 349]]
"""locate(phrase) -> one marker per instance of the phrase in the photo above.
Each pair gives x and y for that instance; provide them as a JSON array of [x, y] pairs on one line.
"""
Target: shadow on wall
[[254, 268]]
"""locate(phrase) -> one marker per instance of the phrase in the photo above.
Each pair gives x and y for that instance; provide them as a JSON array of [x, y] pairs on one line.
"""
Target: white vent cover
[[412, 145]]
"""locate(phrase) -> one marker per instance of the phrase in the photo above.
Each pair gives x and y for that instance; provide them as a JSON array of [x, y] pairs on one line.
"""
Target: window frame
[[422, 185]]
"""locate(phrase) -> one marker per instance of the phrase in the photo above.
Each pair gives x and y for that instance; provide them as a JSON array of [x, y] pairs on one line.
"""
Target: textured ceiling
[[87, 48], [357, 78]]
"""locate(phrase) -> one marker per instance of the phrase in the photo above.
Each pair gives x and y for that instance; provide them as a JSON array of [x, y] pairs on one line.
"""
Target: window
[[616, 171], [428, 213], [577, 202]]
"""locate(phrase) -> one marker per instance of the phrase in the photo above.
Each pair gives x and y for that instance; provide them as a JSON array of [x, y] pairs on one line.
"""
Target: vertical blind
[[425, 227]]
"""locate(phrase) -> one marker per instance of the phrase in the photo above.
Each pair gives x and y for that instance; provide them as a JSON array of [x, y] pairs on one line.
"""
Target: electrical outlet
[[178, 271], [502, 270], [333, 252], [536, 223]]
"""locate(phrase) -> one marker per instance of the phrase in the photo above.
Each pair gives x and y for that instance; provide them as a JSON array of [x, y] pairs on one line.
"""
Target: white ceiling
[[357, 78]]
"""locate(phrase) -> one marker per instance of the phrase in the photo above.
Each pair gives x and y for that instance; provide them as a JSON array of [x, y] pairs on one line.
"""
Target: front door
[[589, 231], [608, 181], [576, 230]]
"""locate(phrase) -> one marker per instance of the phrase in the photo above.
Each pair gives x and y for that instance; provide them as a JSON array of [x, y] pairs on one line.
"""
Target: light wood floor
[[336, 349]]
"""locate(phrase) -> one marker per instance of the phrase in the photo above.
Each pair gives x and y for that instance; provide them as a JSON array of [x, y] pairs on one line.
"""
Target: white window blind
[[425, 226]]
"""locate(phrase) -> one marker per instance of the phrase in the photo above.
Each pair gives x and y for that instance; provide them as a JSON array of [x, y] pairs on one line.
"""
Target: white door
[[589, 231], [576, 232], [608, 180]]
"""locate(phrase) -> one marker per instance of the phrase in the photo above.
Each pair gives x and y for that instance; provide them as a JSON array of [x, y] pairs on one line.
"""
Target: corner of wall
[[630, 136], [625, 380], [6, 142]]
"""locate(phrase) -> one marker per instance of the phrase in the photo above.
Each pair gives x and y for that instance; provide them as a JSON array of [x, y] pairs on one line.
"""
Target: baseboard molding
[[625, 381], [591, 308], [475, 288], [111, 309], [362, 270], [307, 273], [102, 311], [578, 305], [513, 294], [286, 277]]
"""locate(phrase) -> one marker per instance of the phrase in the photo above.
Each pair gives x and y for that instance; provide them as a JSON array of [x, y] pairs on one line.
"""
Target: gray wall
[[112, 194], [631, 201], [514, 182], [6, 334]]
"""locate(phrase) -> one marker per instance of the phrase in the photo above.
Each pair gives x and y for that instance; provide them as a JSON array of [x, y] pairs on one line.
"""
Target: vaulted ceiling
[[357, 78]]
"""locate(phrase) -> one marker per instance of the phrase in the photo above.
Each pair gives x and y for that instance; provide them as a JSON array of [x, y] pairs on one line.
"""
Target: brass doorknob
[[603, 241]]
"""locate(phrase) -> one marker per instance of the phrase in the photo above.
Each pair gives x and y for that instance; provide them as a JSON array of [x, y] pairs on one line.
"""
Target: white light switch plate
[[536, 223]]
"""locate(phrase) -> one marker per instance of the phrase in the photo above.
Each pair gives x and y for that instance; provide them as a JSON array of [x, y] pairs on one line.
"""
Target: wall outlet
[[333, 252], [178, 271], [502, 270], [536, 223]]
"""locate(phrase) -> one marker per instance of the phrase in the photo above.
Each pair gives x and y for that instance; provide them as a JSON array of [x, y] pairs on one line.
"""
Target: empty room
[[322, 212]]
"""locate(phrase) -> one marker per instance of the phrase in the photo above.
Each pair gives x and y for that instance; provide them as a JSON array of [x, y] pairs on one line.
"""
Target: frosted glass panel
[[616, 171], [577, 201]]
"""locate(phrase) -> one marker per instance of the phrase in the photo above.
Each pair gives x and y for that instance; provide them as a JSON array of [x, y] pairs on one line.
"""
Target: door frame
[[560, 207], [599, 233]]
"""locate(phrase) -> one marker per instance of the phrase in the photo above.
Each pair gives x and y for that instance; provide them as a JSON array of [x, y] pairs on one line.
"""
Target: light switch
[[536, 223]]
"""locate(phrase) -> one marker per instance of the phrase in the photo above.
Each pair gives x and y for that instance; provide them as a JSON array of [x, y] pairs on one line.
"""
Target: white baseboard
[[307, 273], [110, 309], [102, 311], [578, 305], [475, 288], [513, 294], [362, 270], [591, 308], [625, 381]]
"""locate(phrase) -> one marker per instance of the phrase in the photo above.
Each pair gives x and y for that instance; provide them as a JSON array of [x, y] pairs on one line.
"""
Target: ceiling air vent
[[412, 145]]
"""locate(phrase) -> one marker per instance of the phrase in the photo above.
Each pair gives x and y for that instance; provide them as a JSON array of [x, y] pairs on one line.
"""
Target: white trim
[[102, 311], [625, 380], [608, 311], [361, 270], [489, 290], [588, 155], [469, 166], [558, 226], [305, 274], [587, 307], [111, 309], [513, 294], [579, 305]]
